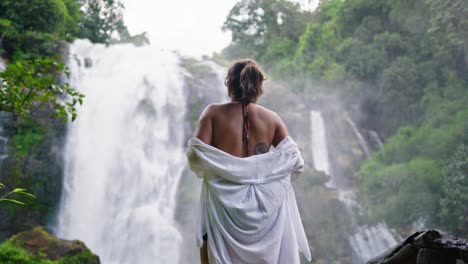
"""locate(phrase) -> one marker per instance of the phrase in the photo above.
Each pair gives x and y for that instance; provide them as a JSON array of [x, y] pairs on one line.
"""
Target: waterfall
[[3, 141], [124, 153], [220, 90], [3, 117], [368, 242], [319, 145], [365, 241], [359, 136], [376, 139]]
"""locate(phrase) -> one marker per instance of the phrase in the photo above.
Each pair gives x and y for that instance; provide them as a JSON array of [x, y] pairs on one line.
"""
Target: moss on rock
[[37, 246]]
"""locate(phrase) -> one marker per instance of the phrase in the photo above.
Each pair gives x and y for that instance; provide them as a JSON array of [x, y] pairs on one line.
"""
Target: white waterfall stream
[[369, 241], [376, 139], [124, 153], [2, 64], [3, 117], [359, 136], [319, 145], [365, 241], [3, 141]]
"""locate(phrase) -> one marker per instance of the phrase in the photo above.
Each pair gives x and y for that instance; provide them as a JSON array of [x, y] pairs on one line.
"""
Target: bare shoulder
[[210, 110], [205, 124], [280, 128], [270, 115]]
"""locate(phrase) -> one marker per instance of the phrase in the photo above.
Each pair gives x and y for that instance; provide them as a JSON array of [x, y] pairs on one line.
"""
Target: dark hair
[[244, 80]]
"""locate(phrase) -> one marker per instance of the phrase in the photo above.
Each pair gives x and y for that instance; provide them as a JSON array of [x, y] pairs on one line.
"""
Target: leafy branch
[[26, 84], [5, 197]]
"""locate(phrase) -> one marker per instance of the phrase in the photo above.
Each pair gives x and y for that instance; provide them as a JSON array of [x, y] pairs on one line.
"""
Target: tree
[[257, 24], [454, 204], [6, 197], [101, 18], [33, 28], [29, 84]]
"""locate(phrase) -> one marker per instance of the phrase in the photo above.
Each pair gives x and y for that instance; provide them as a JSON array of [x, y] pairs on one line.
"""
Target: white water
[[3, 144], [319, 145], [369, 242], [2, 64], [220, 89], [359, 136], [124, 154], [365, 241], [3, 139], [375, 137]]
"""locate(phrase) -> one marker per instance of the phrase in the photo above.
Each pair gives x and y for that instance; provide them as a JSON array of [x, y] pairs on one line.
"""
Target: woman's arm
[[204, 130], [280, 131]]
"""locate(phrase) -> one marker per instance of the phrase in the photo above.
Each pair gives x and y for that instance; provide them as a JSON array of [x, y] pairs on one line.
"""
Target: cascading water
[[3, 117], [319, 145], [359, 136], [365, 241], [369, 241], [124, 153], [376, 139], [2, 64], [3, 140]]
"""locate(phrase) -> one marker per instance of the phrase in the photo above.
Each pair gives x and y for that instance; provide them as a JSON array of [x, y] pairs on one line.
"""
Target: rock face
[[34, 162], [426, 247], [31, 151], [38, 246]]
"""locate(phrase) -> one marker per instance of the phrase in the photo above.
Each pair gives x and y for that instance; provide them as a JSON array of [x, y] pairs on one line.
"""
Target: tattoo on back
[[260, 148]]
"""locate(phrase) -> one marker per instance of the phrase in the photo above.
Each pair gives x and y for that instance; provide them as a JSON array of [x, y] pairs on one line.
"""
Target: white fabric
[[247, 205]]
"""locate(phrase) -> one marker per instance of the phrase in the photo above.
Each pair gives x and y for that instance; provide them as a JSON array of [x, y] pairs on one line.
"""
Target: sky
[[192, 27]]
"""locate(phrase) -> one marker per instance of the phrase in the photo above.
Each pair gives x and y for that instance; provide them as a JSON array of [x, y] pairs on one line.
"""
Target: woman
[[248, 212]]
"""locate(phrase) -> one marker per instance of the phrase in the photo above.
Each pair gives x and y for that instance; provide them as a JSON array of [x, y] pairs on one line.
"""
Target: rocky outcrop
[[34, 162], [426, 247], [38, 246]]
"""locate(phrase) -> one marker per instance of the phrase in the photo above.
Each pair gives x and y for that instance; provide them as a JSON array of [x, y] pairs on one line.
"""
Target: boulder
[[426, 247], [38, 245]]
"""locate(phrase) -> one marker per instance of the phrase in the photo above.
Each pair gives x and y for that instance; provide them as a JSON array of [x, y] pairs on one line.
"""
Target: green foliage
[[408, 189], [13, 255], [33, 28], [101, 18], [454, 204], [47, 16], [452, 18], [29, 135], [28, 84], [6, 197], [406, 177], [257, 24], [34, 246]]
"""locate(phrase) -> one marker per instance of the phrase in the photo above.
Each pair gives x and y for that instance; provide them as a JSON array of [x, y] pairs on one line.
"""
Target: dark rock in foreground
[[426, 247], [38, 246]]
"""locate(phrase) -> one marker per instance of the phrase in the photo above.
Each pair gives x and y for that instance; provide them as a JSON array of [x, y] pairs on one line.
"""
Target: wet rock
[[88, 62], [41, 245], [426, 247]]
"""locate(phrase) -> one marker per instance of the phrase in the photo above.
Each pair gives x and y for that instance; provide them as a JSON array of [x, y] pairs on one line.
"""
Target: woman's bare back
[[220, 125]]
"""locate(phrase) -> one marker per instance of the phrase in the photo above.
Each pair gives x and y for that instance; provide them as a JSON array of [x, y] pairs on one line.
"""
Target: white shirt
[[247, 206]]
